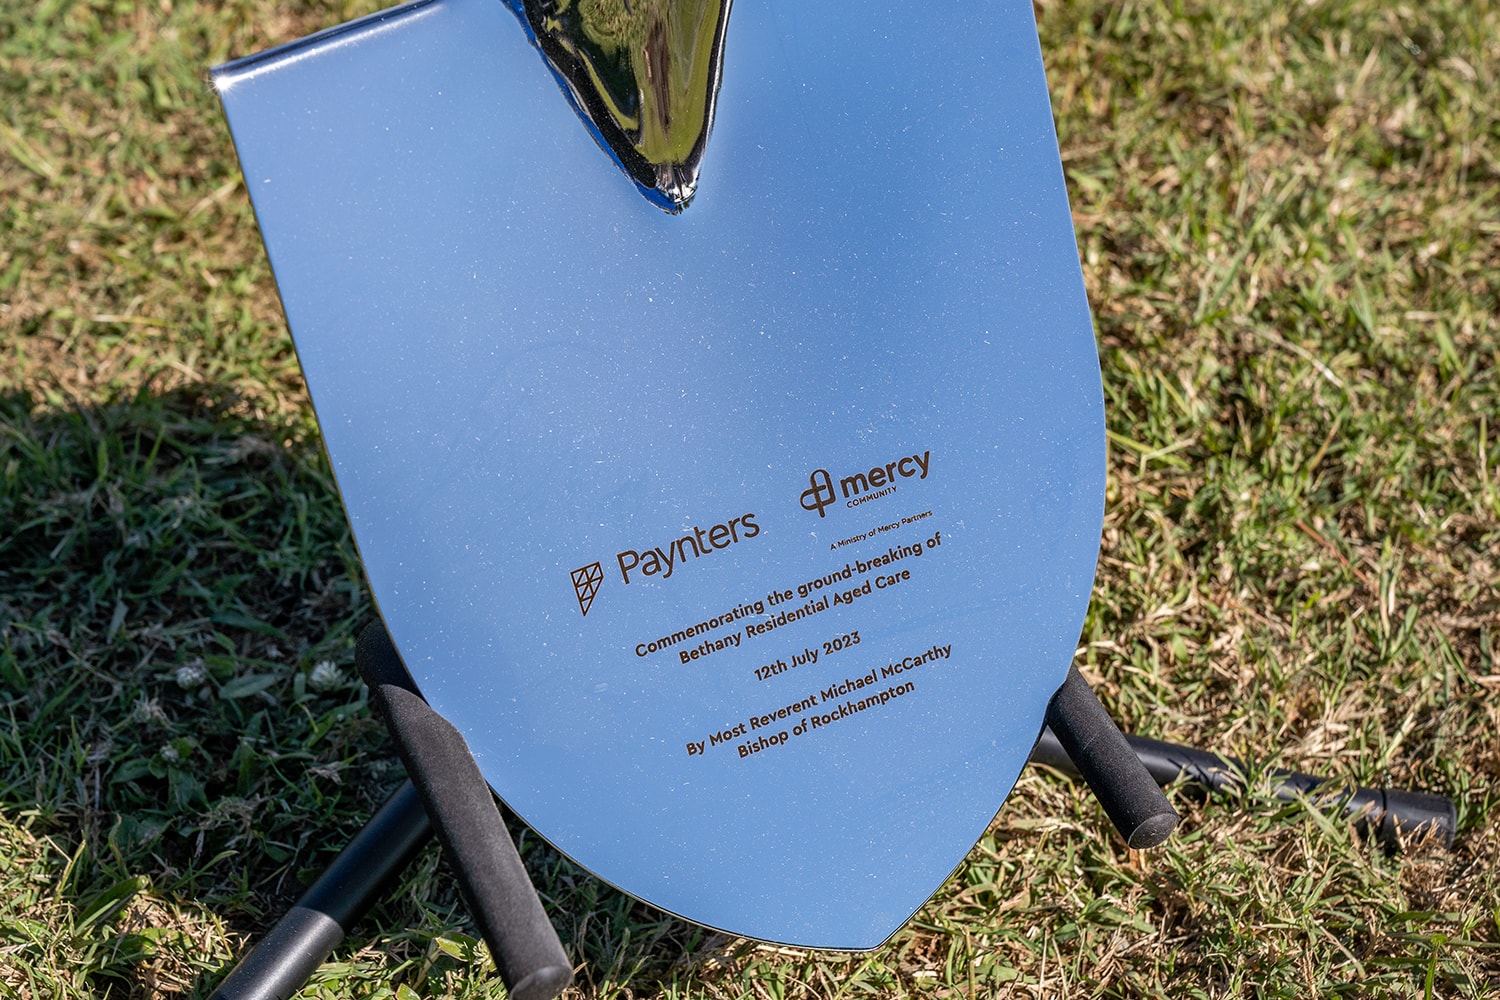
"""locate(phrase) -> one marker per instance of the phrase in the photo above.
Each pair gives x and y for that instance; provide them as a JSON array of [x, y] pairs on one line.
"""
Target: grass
[[1289, 217]]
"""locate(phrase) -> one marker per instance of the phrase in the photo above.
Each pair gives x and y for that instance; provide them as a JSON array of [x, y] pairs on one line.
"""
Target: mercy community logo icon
[[586, 580], [819, 494]]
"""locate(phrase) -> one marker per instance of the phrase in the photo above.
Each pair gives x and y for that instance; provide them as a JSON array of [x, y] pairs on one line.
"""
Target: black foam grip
[[494, 883], [1130, 797], [291, 951]]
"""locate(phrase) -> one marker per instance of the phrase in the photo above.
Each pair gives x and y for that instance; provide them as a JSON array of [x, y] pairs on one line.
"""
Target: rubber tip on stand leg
[[1416, 816], [1152, 831], [280, 965], [543, 984]]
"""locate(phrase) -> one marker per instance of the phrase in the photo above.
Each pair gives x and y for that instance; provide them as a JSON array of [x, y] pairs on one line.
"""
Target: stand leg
[[499, 893], [1390, 814], [1123, 786], [446, 785], [300, 942]]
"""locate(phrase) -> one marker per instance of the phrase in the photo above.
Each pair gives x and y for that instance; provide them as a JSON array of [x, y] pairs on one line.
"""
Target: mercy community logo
[[862, 486], [586, 580]]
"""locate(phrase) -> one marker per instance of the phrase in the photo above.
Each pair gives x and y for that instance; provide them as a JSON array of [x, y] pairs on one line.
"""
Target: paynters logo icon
[[586, 580]]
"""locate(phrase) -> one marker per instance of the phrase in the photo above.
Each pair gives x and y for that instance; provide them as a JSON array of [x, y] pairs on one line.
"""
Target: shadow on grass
[[185, 742]]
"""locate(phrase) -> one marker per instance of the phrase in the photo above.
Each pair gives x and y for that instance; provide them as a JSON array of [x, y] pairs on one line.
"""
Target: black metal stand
[[1126, 774], [1132, 801], [1393, 816], [281, 964], [446, 787]]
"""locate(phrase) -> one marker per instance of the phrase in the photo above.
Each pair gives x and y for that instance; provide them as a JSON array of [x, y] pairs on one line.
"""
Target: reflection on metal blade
[[644, 74]]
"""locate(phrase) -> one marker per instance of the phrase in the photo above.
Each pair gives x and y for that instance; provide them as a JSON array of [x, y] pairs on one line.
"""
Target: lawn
[[1289, 221]]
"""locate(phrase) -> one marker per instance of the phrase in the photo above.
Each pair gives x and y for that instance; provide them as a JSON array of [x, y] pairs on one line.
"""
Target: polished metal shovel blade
[[745, 545]]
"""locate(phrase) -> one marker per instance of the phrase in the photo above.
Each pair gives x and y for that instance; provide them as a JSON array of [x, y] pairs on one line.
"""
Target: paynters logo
[[586, 580]]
